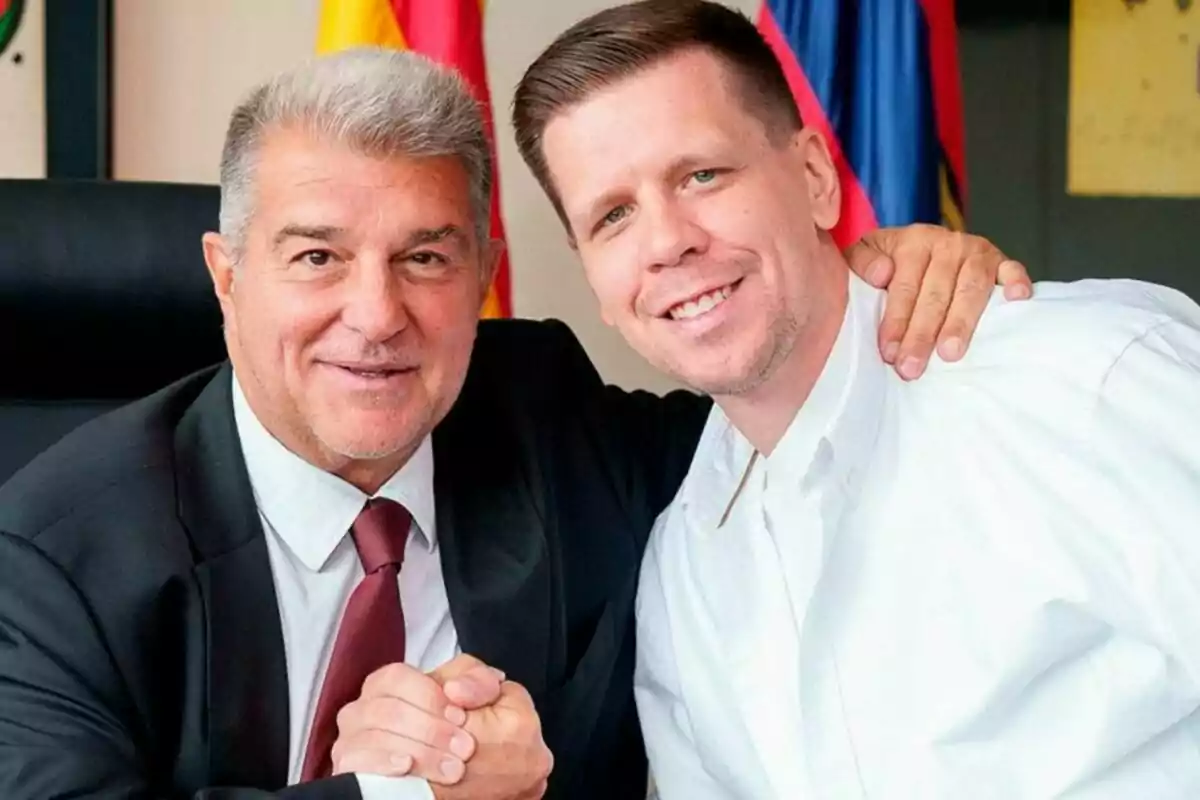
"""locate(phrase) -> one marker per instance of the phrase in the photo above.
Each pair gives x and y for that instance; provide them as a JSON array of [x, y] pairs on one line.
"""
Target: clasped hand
[[462, 727]]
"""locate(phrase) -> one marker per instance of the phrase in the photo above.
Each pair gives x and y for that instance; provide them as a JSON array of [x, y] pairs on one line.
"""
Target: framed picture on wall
[[1134, 98], [22, 89], [54, 88]]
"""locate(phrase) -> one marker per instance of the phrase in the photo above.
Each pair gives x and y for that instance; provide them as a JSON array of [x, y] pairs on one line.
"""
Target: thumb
[[474, 689], [468, 682], [870, 258]]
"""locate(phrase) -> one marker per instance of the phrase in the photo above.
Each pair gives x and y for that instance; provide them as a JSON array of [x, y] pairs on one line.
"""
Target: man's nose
[[374, 304], [671, 234]]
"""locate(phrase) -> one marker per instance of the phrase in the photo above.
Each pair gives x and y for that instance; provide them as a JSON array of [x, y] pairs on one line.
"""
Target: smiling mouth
[[377, 373], [697, 306]]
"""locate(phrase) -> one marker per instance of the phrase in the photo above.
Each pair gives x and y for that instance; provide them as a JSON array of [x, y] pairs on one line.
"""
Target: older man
[[202, 592], [980, 585]]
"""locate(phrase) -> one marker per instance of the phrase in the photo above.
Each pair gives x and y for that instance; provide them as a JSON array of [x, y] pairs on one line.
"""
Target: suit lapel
[[496, 556], [247, 678]]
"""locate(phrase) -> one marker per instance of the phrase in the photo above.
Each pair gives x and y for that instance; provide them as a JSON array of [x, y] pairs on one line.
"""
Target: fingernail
[[890, 350], [456, 715], [876, 273], [452, 769], [952, 349], [402, 763], [500, 676], [462, 745], [911, 367]]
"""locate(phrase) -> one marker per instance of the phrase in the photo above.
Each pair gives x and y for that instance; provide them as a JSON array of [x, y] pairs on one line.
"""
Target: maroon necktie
[[371, 633]]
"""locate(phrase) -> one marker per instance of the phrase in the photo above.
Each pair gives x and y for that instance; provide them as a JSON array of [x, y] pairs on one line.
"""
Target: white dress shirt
[[306, 514], [981, 585]]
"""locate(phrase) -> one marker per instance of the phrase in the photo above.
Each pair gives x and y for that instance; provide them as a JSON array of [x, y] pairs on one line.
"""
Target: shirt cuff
[[382, 787]]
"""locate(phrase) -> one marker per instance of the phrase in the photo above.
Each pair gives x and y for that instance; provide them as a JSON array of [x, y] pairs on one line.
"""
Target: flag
[[880, 80], [447, 31]]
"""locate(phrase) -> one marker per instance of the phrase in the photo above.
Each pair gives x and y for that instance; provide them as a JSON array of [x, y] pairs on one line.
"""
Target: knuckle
[[976, 243], [396, 673], [955, 242], [433, 732], [397, 717], [518, 692], [469, 661], [416, 689], [974, 280], [344, 755], [933, 298], [345, 717], [945, 266], [910, 253], [416, 725], [428, 696], [904, 287], [895, 318], [383, 679]]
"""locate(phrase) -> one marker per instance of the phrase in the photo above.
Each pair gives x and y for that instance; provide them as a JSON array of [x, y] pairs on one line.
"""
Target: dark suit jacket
[[140, 644]]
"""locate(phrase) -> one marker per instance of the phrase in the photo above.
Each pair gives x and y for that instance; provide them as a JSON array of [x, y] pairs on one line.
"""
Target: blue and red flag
[[880, 80]]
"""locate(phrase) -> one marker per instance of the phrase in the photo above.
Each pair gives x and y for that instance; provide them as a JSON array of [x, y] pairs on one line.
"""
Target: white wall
[[23, 98], [181, 65]]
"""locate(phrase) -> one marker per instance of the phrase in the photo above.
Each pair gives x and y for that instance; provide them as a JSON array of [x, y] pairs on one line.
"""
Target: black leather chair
[[103, 298]]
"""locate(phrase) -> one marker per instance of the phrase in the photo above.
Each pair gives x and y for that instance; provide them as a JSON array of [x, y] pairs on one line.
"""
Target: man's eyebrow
[[323, 233], [425, 236], [594, 208], [688, 163]]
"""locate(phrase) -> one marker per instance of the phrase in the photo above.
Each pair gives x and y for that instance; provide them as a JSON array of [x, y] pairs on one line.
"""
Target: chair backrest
[[104, 298]]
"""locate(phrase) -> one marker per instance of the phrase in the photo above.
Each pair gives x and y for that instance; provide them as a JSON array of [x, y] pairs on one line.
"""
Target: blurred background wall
[[178, 66]]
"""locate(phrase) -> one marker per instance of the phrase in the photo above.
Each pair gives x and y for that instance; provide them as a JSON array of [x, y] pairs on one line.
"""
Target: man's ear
[[493, 251], [820, 172], [218, 256], [492, 254]]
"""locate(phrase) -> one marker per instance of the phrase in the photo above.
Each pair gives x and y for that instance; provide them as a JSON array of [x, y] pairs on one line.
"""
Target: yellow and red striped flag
[[447, 31]]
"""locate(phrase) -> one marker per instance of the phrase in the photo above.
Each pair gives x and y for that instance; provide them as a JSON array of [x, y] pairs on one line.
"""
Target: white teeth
[[702, 304]]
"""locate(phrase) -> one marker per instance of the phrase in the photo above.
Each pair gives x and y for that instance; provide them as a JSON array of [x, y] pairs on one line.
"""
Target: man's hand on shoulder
[[463, 728], [938, 284]]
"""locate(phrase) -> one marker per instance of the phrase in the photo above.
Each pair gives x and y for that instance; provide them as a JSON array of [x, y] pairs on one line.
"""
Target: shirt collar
[[831, 435], [312, 509], [837, 426]]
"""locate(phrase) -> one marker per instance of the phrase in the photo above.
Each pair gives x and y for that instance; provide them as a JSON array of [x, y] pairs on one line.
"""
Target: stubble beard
[[778, 348]]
